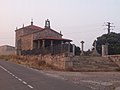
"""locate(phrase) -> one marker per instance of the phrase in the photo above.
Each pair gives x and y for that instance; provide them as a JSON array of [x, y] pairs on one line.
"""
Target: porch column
[[43, 43], [68, 47], [62, 50], [61, 42], [51, 42], [38, 44]]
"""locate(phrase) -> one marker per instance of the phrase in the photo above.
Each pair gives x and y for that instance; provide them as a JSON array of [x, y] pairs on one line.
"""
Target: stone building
[[34, 37], [7, 50]]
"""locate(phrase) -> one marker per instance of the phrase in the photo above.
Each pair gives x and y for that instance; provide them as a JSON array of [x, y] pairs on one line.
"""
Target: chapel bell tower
[[47, 23]]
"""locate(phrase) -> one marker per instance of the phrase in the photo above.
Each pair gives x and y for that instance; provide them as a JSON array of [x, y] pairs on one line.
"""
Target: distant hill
[[7, 50]]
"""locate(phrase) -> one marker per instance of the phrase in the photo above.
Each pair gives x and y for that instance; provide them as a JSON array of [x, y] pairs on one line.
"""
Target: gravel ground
[[94, 80]]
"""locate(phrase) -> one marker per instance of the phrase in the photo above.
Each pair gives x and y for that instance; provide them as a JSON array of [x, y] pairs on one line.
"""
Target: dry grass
[[34, 63]]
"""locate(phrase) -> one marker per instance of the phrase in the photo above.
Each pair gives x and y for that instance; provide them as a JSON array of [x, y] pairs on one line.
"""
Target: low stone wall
[[115, 58], [81, 63], [60, 61], [93, 63], [75, 63], [57, 61]]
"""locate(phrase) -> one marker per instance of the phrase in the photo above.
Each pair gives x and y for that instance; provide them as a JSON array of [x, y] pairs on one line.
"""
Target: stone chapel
[[35, 37]]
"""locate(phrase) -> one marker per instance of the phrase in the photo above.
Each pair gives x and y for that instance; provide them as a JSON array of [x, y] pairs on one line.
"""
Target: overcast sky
[[77, 19]]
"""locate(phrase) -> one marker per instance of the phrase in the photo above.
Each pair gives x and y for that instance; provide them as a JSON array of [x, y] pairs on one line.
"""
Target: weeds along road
[[17, 77]]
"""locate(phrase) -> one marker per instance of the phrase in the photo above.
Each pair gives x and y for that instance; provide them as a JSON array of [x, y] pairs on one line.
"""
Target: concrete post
[[103, 50], [73, 49]]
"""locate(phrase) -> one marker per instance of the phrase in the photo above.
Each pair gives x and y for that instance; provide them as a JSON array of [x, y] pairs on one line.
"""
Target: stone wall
[[60, 61], [7, 50], [27, 42], [93, 63], [115, 58], [78, 63], [82, 63], [24, 40]]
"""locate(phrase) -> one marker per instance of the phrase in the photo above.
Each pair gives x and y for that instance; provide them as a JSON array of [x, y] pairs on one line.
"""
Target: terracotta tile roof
[[56, 32], [49, 29], [33, 27]]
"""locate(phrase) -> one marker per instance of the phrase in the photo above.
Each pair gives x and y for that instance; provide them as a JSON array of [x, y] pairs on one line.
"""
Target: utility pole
[[108, 24]]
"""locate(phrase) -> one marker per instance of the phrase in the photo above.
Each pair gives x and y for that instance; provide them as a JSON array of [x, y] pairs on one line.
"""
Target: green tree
[[113, 40]]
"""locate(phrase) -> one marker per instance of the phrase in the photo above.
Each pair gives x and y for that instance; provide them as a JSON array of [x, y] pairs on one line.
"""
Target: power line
[[108, 24]]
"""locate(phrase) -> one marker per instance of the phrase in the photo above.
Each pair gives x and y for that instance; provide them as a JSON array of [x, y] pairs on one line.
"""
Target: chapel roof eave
[[33, 27], [52, 38]]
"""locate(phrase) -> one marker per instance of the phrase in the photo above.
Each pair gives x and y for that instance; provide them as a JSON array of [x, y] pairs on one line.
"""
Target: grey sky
[[77, 19]]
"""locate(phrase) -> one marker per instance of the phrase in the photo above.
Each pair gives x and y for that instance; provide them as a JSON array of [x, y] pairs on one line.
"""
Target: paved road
[[17, 77]]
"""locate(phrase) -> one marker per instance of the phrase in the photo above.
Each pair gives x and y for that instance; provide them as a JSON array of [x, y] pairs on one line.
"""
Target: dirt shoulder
[[94, 80]]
